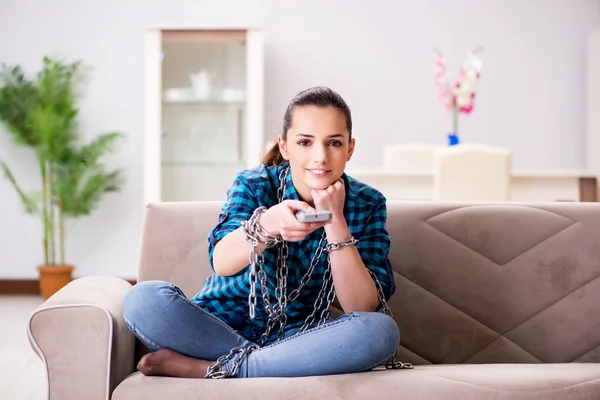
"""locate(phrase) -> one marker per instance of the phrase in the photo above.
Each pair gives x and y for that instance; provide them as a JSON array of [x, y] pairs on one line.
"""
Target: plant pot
[[53, 278]]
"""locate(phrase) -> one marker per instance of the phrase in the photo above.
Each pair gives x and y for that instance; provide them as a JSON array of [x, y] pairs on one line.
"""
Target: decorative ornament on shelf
[[458, 97]]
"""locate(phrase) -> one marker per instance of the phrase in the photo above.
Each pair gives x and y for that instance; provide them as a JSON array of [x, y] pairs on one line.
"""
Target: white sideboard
[[526, 186]]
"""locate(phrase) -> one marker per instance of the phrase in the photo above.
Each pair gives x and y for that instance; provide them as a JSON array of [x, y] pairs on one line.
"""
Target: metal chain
[[282, 274], [319, 301], [277, 314], [325, 313], [282, 270], [255, 234], [313, 263], [281, 290], [393, 363], [239, 353]]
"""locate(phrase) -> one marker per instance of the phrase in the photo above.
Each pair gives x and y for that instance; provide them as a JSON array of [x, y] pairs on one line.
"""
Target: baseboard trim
[[27, 286], [19, 286]]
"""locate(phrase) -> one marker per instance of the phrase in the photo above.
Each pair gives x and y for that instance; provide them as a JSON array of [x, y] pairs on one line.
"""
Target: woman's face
[[317, 147]]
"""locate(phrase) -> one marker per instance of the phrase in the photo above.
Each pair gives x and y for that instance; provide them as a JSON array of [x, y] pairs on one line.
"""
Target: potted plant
[[41, 114]]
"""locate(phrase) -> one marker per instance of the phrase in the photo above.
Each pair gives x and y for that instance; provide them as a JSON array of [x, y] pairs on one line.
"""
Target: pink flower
[[467, 109], [461, 93]]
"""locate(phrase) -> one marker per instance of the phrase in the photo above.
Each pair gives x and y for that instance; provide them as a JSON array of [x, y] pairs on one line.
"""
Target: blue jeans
[[161, 317]]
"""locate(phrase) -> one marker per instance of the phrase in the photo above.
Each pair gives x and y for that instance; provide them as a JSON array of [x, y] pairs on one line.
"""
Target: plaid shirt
[[226, 297]]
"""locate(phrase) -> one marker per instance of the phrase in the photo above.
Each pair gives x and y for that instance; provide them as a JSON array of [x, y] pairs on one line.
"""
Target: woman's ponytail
[[273, 157]]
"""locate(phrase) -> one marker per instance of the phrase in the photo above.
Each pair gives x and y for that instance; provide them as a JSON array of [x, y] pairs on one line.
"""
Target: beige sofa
[[494, 301]]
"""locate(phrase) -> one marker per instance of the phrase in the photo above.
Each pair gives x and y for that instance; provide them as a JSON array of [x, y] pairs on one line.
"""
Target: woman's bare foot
[[170, 363]]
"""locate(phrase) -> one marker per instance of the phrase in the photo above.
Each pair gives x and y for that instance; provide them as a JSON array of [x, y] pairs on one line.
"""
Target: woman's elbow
[[216, 262], [219, 267], [222, 264]]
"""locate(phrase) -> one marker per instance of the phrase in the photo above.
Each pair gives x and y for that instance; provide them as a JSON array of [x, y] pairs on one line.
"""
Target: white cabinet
[[205, 106]]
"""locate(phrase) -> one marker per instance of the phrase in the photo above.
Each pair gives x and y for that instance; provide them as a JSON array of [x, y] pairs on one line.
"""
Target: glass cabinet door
[[204, 113]]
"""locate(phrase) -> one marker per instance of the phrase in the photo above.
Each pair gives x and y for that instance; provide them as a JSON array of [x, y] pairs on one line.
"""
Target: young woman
[[270, 317]]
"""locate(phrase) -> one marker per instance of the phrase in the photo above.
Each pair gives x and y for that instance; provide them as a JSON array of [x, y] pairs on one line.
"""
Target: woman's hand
[[281, 220], [331, 199]]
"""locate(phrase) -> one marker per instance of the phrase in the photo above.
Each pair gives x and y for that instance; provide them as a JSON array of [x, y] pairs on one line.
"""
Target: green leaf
[[18, 96], [82, 178], [30, 202], [83, 195], [103, 144]]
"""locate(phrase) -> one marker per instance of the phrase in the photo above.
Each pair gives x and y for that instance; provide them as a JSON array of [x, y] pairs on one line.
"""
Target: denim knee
[[382, 334], [141, 297], [138, 306], [391, 330]]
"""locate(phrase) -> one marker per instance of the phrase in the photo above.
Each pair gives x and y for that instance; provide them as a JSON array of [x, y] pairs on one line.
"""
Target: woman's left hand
[[331, 199]]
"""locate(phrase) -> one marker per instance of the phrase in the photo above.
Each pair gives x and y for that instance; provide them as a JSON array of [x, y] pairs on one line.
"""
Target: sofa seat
[[425, 382]]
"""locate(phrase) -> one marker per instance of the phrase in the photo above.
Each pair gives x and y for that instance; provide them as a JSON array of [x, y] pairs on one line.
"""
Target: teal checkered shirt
[[226, 297]]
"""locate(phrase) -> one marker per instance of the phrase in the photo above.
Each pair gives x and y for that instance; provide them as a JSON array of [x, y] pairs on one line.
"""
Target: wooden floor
[[21, 371]]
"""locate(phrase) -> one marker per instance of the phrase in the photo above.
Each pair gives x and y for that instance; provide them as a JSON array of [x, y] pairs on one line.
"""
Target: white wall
[[377, 54]]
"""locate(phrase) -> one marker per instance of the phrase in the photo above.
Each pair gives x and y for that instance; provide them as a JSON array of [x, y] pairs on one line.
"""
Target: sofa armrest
[[80, 336]]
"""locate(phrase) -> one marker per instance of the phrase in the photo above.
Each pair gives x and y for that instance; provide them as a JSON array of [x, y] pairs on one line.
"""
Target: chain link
[[393, 363], [319, 301], [277, 314], [238, 354], [281, 290]]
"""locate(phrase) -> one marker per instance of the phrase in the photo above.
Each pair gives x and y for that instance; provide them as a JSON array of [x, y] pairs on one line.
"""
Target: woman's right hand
[[281, 220]]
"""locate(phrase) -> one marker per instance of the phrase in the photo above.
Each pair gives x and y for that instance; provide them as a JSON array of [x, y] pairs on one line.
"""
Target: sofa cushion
[[487, 283], [487, 381]]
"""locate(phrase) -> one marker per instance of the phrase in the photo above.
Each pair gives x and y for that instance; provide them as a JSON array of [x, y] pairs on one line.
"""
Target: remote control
[[314, 216]]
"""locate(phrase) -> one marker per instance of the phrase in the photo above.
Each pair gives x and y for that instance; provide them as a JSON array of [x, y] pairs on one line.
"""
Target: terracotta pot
[[53, 278]]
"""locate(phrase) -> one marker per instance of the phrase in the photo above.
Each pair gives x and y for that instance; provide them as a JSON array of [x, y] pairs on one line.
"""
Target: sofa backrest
[[476, 282]]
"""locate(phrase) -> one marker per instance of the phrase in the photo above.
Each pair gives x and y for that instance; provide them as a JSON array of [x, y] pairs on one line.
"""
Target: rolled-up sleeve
[[239, 206], [374, 248]]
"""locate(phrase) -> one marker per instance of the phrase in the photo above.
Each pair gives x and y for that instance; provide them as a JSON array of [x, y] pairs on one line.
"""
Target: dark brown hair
[[319, 96]]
